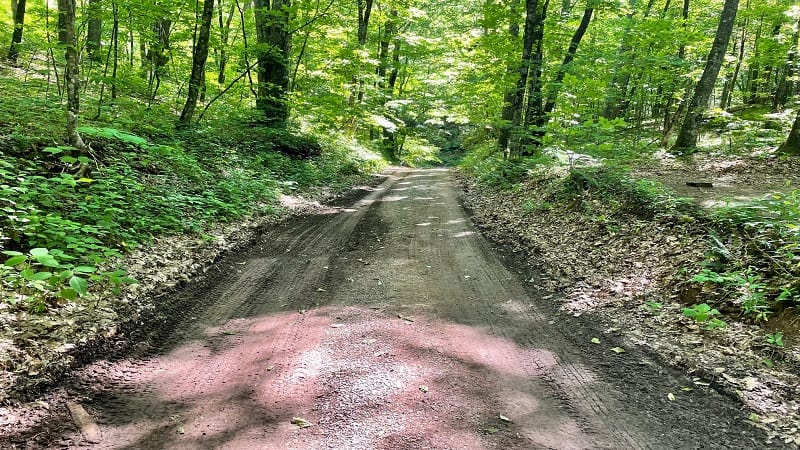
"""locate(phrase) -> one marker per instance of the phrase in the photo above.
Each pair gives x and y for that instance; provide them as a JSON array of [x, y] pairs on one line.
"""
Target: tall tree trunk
[[94, 31], [529, 85], [783, 86], [792, 144], [687, 137], [272, 32], [224, 36], [158, 53], [562, 70], [364, 13], [727, 91], [16, 36], [66, 20], [199, 56], [507, 114], [115, 43]]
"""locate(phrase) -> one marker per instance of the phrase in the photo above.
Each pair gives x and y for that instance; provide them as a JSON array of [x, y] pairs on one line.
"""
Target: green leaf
[[68, 159], [27, 274], [595, 341], [14, 260], [39, 252], [68, 293], [85, 269], [11, 253], [47, 261], [53, 150], [41, 276], [65, 275], [85, 180], [80, 285], [618, 350]]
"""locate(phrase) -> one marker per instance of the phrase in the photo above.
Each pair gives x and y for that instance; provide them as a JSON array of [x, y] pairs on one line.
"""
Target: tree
[[509, 96], [529, 84], [199, 56], [94, 31], [16, 37], [158, 53], [571, 50], [687, 136], [792, 144], [66, 20], [274, 40]]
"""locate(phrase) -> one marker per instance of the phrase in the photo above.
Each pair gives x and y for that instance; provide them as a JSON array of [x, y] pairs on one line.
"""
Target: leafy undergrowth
[[79, 227], [711, 291]]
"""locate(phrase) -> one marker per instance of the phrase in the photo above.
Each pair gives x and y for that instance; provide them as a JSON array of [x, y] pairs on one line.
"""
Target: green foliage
[[756, 267], [623, 194], [38, 279], [134, 189], [775, 339], [704, 314], [653, 307], [746, 288], [492, 168]]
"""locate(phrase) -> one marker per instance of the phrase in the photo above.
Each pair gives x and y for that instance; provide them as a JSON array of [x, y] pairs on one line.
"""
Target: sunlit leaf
[[80, 285]]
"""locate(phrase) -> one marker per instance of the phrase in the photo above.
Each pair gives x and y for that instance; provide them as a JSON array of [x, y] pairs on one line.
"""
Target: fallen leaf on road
[[504, 418], [423, 388], [671, 397], [490, 430], [595, 341], [337, 325], [618, 350], [301, 423], [753, 417], [179, 430]]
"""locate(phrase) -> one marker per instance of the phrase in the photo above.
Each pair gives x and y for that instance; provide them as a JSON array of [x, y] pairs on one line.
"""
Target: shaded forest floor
[[631, 273]]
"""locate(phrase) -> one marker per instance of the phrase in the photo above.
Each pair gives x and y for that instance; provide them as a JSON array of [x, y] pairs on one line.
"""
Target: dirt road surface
[[390, 323]]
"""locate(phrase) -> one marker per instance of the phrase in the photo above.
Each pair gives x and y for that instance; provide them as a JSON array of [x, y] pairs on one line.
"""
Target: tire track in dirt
[[390, 324]]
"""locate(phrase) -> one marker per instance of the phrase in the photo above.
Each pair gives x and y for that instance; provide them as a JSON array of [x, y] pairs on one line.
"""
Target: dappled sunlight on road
[[363, 378]]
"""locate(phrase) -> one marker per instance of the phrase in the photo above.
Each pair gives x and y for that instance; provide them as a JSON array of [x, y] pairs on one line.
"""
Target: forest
[[615, 140]]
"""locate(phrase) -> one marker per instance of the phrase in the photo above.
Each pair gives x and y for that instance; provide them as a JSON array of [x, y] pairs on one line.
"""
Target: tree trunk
[[364, 13], [792, 144], [783, 88], [727, 91], [16, 37], [571, 50], [94, 31], [225, 33], [507, 114], [199, 56], [66, 19], [274, 39], [529, 85], [687, 136], [158, 53]]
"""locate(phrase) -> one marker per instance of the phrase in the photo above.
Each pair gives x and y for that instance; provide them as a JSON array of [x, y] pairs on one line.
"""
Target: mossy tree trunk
[[199, 57], [274, 46]]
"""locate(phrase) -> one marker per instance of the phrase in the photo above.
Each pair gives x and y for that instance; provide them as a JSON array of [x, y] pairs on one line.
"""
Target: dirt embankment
[[630, 274], [390, 323]]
